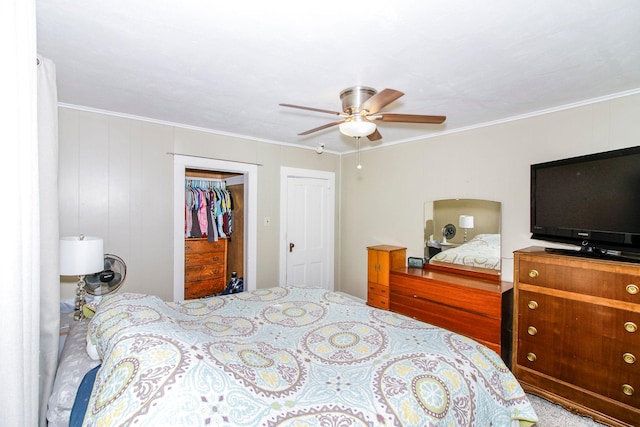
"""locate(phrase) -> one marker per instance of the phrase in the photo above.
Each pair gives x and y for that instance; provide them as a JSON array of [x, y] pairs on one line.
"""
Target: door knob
[[291, 245]]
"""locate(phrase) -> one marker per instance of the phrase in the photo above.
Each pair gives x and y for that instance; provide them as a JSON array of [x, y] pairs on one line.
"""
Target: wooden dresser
[[381, 260], [475, 306], [205, 265], [576, 338]]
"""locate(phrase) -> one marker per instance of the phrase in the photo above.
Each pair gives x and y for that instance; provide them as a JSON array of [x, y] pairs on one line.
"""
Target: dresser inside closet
[[214, 231]]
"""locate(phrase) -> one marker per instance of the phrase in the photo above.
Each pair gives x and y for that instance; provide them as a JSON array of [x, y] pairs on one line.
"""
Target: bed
[[289, 357], [481, 252]]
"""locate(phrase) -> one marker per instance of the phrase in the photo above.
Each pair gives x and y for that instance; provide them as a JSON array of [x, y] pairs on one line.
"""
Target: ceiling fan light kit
[[361, 105], [357, 127]]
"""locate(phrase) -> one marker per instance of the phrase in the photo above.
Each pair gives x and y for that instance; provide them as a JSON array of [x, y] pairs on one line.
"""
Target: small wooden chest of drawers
[[577, 340], [205, 265], [381, 260]]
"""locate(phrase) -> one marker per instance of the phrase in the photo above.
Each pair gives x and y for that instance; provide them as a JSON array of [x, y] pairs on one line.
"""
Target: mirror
[[463, 234]]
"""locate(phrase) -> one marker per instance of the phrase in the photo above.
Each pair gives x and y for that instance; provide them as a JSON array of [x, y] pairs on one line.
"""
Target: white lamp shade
[[81, 255], [356, 128], [466, 221]]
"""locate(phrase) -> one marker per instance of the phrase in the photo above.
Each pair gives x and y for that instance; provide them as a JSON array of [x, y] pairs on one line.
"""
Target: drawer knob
[[627, 389], [630, 327], [533, 273], [629, 358], [531, 357], [632, 289], [532, 305], [531, 330]]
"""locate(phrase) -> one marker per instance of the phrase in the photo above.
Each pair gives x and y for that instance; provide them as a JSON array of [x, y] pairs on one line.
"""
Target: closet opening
[[214, 231], [205, 260]]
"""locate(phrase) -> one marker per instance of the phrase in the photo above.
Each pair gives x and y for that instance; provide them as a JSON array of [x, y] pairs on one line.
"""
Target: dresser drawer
[[203, 288], [203, 272], [194, 259], [603, 379], [485, 303], [613, 282], [473, 325], [375, 300], [201, 246], [378, 289]]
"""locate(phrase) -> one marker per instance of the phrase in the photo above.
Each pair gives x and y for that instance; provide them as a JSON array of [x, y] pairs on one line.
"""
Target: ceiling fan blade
[[319, 110], [328, 125], [375, 136], [410, 118], [380, 100]]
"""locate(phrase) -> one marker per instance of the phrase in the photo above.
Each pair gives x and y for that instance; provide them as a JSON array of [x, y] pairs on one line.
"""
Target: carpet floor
[[553, 415]]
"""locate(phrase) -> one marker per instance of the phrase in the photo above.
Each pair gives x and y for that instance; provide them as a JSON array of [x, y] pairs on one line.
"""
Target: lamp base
[[80, 299]]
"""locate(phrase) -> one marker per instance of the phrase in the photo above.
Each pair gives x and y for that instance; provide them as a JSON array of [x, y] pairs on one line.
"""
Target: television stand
[[576, 334], [594, 253]]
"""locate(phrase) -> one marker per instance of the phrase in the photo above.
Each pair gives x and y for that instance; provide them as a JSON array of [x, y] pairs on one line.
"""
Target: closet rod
[[197, 178]]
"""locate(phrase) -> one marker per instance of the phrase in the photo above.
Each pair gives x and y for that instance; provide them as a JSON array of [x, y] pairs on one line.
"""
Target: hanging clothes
[[208, 209]]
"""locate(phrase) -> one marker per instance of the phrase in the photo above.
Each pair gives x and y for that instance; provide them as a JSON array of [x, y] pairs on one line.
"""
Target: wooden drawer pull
[[630, 327], [531, 330], [532, 305], [533, 274], [627, 389], [632, 289], [531, 357], [629, 358]]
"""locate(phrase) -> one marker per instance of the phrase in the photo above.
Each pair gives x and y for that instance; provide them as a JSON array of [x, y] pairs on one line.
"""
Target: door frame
[[250, 173], [285, 174]]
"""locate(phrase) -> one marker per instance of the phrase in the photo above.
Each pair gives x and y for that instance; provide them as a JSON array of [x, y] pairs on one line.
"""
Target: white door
[[308, 242]]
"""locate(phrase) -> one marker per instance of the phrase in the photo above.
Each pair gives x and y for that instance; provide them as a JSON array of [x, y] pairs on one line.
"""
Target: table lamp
[[79, 256], [466, 222]]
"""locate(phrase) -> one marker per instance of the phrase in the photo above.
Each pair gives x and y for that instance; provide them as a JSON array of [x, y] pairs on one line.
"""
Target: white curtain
[[29, 227], [49, 233]]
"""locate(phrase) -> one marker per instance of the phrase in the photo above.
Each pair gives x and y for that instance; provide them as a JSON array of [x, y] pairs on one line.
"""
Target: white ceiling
[[225, 66]]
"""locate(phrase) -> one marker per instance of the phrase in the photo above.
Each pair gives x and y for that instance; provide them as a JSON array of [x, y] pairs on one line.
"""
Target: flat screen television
[[590, 201]]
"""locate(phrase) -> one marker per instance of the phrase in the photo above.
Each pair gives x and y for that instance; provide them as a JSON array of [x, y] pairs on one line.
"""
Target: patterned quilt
[[290, 357], [483, 251]]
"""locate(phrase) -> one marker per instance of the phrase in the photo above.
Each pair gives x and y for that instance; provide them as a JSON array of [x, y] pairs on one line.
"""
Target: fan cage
[[96, 285]]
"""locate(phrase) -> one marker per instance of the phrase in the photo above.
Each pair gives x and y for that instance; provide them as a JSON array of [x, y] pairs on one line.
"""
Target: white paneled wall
[[383, 202], [116, 181]]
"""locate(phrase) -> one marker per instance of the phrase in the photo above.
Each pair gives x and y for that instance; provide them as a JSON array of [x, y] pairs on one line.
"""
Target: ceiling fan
[[361, 106]]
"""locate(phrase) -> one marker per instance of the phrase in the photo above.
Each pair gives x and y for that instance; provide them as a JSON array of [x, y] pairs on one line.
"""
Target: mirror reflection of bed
[[463, 234]]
